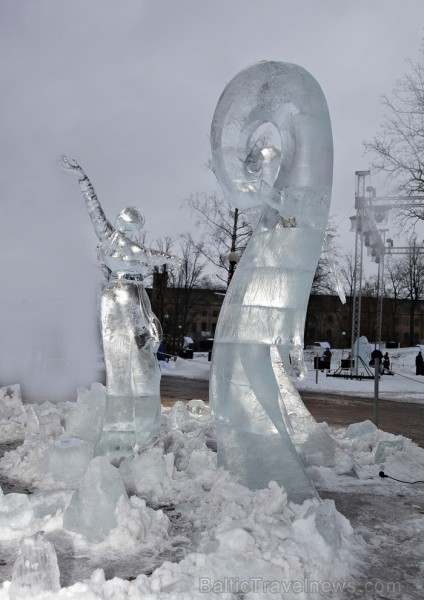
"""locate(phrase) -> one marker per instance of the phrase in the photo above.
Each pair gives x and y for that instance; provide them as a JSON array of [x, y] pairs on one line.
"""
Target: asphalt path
[[404, 418]]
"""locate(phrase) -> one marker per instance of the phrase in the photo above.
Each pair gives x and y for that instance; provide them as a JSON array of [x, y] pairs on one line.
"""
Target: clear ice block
[[92, 510], [15, 511], [85, 421], [35, 569], [68, 458]]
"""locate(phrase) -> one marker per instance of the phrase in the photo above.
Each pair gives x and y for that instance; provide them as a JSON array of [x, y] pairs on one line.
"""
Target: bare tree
[[225, 230], [407, 275], [398, 150], [174, 295], [393, 288]]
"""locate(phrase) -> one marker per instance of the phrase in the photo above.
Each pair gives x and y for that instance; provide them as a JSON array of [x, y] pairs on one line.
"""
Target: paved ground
[[395, 417]]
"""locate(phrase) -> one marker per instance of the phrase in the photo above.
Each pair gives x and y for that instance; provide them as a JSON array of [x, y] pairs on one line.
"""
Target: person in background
[[386, 363], [327, 358], [419, 364]]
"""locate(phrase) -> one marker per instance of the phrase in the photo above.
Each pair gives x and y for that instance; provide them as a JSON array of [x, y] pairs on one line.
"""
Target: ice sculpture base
[[130, 423], [256, 459]]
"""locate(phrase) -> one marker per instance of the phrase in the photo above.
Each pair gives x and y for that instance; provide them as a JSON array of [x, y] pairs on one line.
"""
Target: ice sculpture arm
[[157, 258], [102, 226]]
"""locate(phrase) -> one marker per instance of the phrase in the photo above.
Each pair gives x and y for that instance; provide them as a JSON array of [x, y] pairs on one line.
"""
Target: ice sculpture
[[260, 417], [131, 333], [35, 570]]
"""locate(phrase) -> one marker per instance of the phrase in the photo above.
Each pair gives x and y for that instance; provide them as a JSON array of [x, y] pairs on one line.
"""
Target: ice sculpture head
[[290, 99], [130, 222]]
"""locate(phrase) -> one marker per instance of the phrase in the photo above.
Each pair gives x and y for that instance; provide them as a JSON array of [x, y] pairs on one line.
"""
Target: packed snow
[[172, 525]]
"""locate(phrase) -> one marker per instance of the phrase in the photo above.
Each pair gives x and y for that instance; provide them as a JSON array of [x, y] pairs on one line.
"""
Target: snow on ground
[[188, 530], [404, 385]]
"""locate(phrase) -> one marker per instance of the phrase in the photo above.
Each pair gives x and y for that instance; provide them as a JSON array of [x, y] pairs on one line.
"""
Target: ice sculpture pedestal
[[129, 424]]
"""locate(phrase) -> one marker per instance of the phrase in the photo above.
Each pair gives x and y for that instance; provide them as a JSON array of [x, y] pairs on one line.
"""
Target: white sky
[[129, 89]]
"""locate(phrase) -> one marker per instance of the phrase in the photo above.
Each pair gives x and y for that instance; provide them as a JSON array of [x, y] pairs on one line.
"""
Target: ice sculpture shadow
[[264, 431], [131, 333]]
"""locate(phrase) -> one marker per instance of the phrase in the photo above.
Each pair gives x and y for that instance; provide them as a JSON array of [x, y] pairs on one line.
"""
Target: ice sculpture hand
[[259, 336], [71, 165]]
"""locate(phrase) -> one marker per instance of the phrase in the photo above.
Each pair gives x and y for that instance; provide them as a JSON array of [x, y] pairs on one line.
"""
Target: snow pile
[[173, 502]]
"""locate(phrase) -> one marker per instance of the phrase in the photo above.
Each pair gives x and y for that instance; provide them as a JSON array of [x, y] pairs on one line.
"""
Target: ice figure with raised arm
[[264, 431], [131, 333]]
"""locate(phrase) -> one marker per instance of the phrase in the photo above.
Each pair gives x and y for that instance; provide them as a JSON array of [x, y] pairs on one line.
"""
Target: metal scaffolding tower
[[372, 212]]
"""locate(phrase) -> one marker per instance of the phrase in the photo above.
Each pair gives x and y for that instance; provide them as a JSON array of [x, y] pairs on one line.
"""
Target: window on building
[[405, 321], [204, 326], [204, 313]]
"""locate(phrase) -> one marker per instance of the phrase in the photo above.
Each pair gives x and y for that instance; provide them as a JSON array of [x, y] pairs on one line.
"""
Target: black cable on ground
[[383, 475]]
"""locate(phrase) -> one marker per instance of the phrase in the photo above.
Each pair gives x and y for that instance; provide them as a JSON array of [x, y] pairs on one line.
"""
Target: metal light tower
[[358, 228], [371, 211]]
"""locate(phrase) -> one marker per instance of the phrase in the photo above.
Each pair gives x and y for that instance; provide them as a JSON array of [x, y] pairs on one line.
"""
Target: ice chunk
[[32, 423], [35, 569], [91, 511], [387, 448], [67, 459], [198, 408], [265, 305], [49, 502], [177, 416], [85, 421], [11, 401], [329, 522], [15, 511], [360, 430]]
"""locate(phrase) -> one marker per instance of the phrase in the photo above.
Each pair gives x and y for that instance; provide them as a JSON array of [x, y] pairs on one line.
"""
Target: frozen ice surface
[[67, 458], [361, 430], [15, 511], [85, 421], [92, 510], [264, 310], [35, 570], [386, 448]]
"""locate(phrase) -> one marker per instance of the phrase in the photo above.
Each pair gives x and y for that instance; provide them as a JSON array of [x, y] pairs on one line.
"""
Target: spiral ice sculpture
[[264, 430]]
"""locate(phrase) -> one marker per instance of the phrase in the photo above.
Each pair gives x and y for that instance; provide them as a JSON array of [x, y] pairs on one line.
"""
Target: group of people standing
[[384, 360]]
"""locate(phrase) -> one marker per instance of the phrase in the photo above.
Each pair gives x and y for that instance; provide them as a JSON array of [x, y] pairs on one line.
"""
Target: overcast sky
[[129, 89]]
